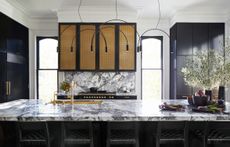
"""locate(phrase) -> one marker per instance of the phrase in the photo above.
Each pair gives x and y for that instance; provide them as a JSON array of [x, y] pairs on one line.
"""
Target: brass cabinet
[[127, 47], [97, 47], [67, 47], [107, 47], [87, 47]]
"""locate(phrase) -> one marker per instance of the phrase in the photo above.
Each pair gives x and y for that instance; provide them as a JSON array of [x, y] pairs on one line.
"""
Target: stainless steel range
[[99, 95]]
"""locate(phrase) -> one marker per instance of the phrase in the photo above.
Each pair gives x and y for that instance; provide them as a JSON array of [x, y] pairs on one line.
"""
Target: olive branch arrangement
[[208, 69]]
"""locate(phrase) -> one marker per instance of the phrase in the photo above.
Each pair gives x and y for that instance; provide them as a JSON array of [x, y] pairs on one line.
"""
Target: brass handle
[[9, 88], [6, 87]]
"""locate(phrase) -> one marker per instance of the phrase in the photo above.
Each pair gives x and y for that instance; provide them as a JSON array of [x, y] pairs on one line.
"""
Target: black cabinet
[[185, 40], [14, 74]]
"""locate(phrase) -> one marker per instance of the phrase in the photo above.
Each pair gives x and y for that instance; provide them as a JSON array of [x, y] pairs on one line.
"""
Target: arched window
[[151, 70], [47, 65]]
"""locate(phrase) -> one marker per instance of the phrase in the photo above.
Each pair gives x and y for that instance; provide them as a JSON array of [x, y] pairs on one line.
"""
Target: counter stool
[[172, 132], [33, 133], [77, 133], [122, 133], [197, 131], [217, 133]]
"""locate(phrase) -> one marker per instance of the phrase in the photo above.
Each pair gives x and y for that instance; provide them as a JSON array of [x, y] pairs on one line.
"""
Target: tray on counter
[[213, 108], [172, 107]]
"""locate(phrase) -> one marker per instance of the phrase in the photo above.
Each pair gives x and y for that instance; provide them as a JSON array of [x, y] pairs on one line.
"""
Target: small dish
[[172, 107]]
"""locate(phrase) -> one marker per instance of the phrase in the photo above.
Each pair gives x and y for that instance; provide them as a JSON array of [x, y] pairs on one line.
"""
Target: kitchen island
[[107, 110], [101, 114]]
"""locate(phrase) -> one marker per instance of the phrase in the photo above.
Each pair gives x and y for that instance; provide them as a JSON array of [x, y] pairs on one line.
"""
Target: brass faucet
[[72, 86]]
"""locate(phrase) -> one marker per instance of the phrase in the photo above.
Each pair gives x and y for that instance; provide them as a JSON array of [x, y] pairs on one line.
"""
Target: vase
[[221, 93], [208, 93]]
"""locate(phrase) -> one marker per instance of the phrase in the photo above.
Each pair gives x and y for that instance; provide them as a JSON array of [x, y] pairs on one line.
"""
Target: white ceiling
[[144, 8]]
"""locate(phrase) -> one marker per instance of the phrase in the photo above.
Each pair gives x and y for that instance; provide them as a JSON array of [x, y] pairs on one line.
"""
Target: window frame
[[161, 67], [39, 38]]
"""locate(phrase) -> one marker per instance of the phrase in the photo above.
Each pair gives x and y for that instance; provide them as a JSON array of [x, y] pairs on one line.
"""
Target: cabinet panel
[[216, 36], [186, 40], [182, 88], [87, 47], [2, 77], [184, 32], [17, 87], [173, 33], [127, 55], [200, 37], [67, 54], [14, 74], [107, 56]]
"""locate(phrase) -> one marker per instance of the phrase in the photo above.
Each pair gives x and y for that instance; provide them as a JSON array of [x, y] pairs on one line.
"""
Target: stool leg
[[186, 144], [158, 134], [157, 142], [62, 134], [91, 134], [205, 137], [137, 135], [108, 135]]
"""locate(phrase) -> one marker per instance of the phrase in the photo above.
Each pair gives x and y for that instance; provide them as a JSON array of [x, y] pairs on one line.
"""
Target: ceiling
[[144, 8]]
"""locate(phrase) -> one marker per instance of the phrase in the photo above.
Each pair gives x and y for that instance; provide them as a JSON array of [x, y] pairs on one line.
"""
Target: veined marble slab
[[108, 110]]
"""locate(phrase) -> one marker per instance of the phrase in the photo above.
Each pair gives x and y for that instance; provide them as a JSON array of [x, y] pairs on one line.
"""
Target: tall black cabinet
[[14, 73], [185, 40]]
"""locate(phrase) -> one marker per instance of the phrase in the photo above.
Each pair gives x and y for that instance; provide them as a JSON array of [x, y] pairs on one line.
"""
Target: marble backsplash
[[120, 82]]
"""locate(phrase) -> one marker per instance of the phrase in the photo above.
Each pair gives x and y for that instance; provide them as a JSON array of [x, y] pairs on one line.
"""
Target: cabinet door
[[17, 83], [67, 44], [173, 68], [184, 39], [2, 77], [216, 36], [200, 37], [88, 47], [127, 51], [107, 47]]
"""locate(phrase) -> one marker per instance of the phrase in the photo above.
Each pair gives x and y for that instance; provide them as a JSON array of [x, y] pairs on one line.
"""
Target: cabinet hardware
[[91, 48], [106, 49], [9, 83], [6, 87]]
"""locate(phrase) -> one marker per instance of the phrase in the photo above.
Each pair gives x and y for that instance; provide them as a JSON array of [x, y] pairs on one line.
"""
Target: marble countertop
[[108, 110]]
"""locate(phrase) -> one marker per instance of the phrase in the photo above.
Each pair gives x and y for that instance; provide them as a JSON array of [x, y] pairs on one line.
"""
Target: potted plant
[[207, 69]]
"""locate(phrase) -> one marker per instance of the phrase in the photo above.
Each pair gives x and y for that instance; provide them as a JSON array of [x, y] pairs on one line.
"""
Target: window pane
[[48, 56], [151, 82], [151, 53], [47, 84]]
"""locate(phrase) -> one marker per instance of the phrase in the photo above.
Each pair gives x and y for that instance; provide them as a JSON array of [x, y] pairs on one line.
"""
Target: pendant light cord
[[159, 13], [78, 10], [116, 9]]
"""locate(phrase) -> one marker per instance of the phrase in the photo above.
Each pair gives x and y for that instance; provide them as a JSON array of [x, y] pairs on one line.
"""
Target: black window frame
[[39, 38]]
